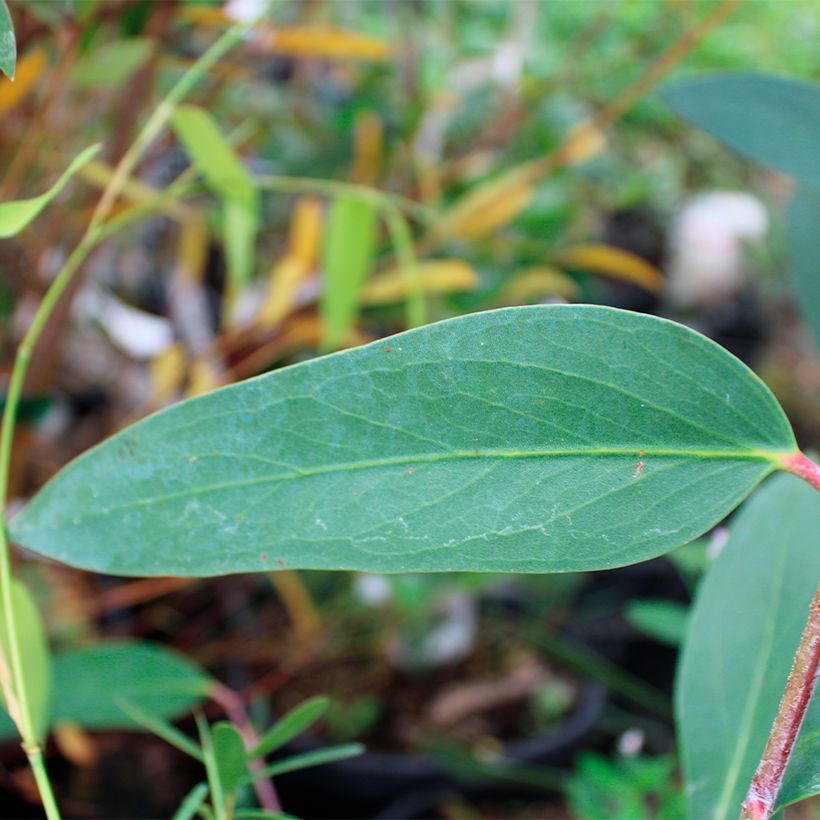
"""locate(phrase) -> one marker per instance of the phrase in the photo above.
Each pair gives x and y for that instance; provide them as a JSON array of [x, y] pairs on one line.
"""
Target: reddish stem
[[235, 709], [804, 468], [762, 795]]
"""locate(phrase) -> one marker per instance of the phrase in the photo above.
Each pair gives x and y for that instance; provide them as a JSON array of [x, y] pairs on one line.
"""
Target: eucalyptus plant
[[539, 439]]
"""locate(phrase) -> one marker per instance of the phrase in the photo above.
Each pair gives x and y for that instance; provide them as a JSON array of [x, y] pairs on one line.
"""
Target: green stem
[[402, 240], [90, 238]]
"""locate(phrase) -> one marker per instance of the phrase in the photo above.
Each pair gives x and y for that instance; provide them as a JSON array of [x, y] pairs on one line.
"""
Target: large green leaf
[[804, 228], [8, 43], [743, 632], [350, 243], [33, 647], [88, 683], [775, 120], [14, 216], [535, 439], [802, 777]]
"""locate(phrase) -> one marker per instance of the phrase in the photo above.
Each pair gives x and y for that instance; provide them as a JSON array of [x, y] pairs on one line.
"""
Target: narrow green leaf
[[8, 44], [111, 64], [802, 777], [229, 179], [14, 216], [230, 756], [743, 632], [161, 728], [190, 805], [261, 814], [309, 759], [33, 646], [290, 725], [804, 228], [89, 681], [538, 439], [349, 248], [775, 120], [663, 620], [211, 768], [212, 154]]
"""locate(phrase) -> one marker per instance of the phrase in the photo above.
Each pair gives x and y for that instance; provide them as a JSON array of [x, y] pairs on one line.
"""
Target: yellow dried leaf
[[283, 289], [489, 207], [202, 378], [436, 276], [323, 41], [167, 371], [29, 68], [537, 282], [584, 142], [367, 148], [610, 261], [205, 16], [305, 231], [76, 744], [192, 250]]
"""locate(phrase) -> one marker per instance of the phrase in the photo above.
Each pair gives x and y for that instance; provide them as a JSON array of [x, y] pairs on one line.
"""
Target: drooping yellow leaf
[[287, 275], [29, 68], [610, 261], [283, 288], [489, 207], [192, 249], [436, 276], [208, 16], [167, 372], [584, 142], [323, 41], [367, 147], [537, 282], [202, 378], [305, 231]]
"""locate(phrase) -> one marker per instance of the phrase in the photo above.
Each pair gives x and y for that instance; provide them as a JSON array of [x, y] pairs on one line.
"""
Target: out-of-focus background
[[529, 149]]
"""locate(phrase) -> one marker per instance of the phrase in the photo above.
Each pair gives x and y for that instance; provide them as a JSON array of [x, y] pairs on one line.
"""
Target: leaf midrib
[[775, 457]]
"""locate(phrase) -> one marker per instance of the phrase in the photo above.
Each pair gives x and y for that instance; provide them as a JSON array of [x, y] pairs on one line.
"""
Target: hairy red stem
[[762, 795], [804, 468]]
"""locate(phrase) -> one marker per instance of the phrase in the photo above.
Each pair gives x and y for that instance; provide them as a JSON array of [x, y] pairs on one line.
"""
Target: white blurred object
[[374, 590], [139, 334], [706, 264], [244, 11]]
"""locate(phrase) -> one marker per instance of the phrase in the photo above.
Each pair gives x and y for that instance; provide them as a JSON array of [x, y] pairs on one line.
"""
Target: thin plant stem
[[235, 709], [762, 795], [402, 240], [89, 240]]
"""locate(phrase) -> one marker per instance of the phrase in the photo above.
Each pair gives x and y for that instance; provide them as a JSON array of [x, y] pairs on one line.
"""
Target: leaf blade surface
[[548, 438]]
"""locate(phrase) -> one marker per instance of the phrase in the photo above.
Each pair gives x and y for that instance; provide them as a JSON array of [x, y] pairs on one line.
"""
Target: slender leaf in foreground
[[161, 728], [743, 631], [309, 759], [190, 805], [547, 438], [290, 725]]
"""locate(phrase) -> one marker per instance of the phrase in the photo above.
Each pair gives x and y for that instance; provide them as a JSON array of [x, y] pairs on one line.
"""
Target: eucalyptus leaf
[[775, 120], [33, 647], [89, 682], [535, 439], [804, 228], [8, 43], [14, 216], [743, 632], [802, 778], [349, 248]]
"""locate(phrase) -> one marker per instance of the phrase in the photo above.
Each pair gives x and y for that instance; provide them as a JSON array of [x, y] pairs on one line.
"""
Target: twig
[[762, 795]]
